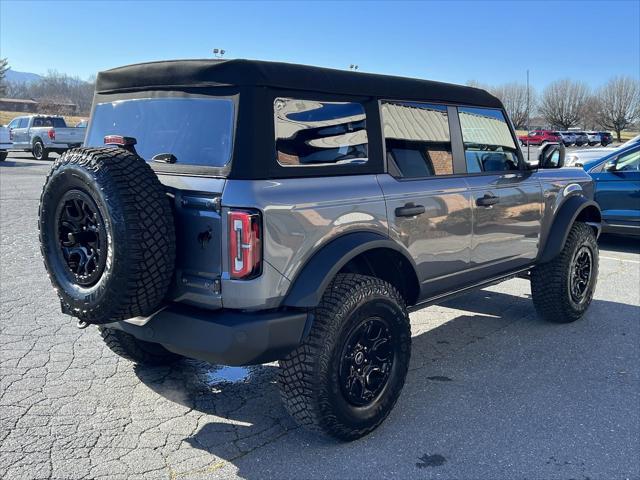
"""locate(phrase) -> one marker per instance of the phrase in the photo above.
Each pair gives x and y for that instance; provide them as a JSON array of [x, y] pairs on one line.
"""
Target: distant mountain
[[20, 77]]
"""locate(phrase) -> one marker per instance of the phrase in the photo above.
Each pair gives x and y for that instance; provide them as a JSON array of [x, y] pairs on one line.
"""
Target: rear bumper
[[61, 146], [224, 337]]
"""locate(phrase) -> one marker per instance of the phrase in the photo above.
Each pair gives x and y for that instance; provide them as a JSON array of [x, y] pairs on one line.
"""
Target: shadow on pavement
[[619, 243], [470, 394], [10, 163]]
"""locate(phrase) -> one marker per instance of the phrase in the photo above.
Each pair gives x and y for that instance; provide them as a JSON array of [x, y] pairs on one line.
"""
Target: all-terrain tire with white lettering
[[128, 207], [311, 377], [562, 289]]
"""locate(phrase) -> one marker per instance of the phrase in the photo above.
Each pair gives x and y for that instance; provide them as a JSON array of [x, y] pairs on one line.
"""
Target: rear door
[[618, 191], [428, 205], [506, 199]]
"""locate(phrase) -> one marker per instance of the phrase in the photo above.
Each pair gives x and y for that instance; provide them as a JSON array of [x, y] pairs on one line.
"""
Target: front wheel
[[562, 289], [3, 155], [346, 376], [38, 151]]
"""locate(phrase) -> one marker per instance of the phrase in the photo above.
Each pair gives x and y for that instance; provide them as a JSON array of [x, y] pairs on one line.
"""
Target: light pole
[[528, 119], [218, 52]]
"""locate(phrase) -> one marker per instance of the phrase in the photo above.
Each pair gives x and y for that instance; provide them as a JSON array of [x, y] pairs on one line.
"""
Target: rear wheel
[[346, 376], [138, 351], [38, 151], [562, 289]]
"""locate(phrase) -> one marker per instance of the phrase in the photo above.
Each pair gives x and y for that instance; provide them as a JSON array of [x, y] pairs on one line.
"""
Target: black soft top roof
[[213, 73]]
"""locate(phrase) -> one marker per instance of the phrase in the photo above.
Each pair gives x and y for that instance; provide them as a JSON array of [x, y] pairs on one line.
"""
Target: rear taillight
[[52, 134], [245, 244], [119, 140]]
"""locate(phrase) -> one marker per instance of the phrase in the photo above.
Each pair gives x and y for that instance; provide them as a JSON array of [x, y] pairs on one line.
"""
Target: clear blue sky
[[491, 42]]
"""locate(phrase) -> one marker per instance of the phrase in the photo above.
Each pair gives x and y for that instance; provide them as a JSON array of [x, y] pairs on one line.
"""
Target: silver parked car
[[568, 138], [579, 158], [593, 138], [581, 138]]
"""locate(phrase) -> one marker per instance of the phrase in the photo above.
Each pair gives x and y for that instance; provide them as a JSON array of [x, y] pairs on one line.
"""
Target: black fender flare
[[314, 278], [567, 214]]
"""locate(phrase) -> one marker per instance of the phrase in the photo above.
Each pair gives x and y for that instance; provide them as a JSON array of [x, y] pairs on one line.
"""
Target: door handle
[[409, 210], [487, 200]]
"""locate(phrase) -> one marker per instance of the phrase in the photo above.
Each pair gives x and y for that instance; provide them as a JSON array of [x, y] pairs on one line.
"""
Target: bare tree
[[56, 91], [619, 103], [4, 66], [514, 98], [563, 102], [591, 117]]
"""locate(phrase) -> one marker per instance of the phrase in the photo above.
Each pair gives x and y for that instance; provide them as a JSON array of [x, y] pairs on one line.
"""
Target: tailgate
[[69, 135], [196, 207]]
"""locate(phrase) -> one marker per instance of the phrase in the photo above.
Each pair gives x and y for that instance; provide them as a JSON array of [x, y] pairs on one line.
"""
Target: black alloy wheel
[[580, 274], [82, 237], [367, 359]]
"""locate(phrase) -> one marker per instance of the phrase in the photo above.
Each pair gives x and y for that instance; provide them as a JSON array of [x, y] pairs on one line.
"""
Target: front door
[[506, 199], [507, 215], [618, 192]]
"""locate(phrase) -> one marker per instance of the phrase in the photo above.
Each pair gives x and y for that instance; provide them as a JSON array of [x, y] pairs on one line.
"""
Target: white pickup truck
[[5, 143], [42, 134]]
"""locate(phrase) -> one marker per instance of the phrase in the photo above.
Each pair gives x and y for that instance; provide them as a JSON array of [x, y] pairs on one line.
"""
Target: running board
[[520, 273]]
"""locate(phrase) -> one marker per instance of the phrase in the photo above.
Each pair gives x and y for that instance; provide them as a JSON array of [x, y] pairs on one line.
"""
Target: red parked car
[[538, 137]]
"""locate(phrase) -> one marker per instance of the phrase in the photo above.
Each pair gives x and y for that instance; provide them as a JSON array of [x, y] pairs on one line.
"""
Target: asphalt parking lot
[[492, 391]]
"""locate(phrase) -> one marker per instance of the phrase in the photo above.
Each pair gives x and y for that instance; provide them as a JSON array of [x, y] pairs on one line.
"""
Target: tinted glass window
[[24, 122], [197, 131], [317, 133], [14, 123], [56, 122], [488, 144], [629, 162], [417, 138]]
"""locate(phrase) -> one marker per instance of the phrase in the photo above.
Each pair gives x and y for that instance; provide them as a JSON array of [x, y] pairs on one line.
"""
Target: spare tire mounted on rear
[[106, 234]]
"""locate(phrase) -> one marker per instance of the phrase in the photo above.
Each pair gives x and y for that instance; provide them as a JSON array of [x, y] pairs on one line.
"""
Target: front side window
[[417, 139], [196, 131], [318, 133], [14, 123], [629, 162], [488, 143]]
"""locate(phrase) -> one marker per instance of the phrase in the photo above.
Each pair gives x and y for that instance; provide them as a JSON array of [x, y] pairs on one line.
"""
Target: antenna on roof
[[218, 52], [353, 67]]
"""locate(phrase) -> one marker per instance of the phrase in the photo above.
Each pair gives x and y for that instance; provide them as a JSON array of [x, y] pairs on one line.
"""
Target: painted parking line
[[620, 259]]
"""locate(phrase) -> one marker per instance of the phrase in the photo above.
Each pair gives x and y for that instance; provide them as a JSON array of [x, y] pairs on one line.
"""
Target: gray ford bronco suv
[[242, 212]]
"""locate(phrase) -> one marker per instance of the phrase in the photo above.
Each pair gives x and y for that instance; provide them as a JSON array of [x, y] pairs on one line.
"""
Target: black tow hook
[[82, 324]]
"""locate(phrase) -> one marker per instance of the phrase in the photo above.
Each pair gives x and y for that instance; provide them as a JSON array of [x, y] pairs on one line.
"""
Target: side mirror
[[552, 156], [610, 166]]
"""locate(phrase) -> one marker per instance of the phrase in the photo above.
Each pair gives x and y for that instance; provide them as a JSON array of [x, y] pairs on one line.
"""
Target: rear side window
[[56, 122], [24, 122], [488, 144], [197, 131], [417, 139], [315, 133]]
